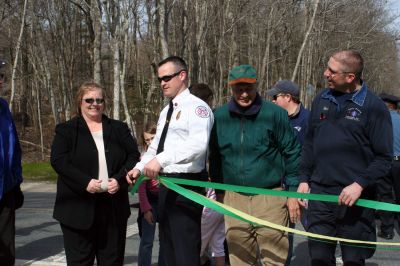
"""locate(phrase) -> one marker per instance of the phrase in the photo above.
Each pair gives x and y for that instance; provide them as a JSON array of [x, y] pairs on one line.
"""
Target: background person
[[286, 94], [391, 181], [348, 147], [11, 197], [148, 212], [204, 92], [178, 150], [212, 222], [90, 154], [253, 144]]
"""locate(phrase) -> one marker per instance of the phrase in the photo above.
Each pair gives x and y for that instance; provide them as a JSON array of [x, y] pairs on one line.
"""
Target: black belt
[[191, 176], [396, 158]]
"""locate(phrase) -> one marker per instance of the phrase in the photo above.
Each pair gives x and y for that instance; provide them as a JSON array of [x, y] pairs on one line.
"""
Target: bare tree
[[310, 26], [17, 49]]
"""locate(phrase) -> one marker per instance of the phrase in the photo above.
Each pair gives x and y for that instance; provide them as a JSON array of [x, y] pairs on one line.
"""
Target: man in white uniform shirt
[[183, 154]]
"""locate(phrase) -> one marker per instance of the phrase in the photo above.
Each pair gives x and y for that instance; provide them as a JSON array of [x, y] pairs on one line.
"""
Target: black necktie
[[160, 147]]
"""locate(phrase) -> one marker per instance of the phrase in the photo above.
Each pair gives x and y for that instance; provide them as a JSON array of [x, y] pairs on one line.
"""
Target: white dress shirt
[[186, 143]]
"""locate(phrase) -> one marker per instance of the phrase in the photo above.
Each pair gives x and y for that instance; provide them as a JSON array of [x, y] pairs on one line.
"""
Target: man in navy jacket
[[10, 179], [347, 148], [286, 94]]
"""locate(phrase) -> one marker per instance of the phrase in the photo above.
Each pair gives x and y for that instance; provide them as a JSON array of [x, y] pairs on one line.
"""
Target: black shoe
[[384, 235]]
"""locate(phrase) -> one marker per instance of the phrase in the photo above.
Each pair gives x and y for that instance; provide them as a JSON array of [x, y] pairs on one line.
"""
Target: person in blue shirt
[[286, 94], [390, 182], [11, 196], [348, 146]]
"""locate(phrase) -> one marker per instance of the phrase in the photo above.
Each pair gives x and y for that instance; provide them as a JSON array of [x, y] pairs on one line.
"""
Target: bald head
[[351, 61]]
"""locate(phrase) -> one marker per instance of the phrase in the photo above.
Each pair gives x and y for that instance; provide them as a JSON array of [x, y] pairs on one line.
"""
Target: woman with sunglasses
[[91, 153]]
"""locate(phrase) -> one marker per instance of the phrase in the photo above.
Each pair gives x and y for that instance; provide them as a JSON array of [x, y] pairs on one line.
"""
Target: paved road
[[39, 239]]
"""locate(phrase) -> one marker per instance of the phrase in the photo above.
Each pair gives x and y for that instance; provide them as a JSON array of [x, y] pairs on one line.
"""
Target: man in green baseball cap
[[252, 144]]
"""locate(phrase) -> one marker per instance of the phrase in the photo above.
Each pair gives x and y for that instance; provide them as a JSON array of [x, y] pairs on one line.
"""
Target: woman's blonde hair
[[82, 90]]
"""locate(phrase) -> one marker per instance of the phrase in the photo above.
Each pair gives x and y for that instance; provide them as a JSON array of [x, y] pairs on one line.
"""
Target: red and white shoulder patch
[[202, 111]]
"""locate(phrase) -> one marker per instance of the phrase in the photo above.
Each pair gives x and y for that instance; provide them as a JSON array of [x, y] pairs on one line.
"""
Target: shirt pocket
[[179, 123]]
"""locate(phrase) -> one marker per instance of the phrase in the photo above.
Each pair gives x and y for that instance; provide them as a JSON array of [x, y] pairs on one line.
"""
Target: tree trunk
[[316, 2], [95, 14], [163, 28], [17, 48], [117, 84], [128, 118], [39, 111]]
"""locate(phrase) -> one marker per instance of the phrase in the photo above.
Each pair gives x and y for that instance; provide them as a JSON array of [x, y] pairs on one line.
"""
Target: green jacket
[[253, 147]]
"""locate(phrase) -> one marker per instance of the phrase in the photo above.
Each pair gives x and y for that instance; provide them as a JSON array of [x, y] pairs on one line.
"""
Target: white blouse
[[103, 172]]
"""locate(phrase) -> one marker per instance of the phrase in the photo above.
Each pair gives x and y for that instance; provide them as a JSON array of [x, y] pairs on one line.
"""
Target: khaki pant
[[246, 240]]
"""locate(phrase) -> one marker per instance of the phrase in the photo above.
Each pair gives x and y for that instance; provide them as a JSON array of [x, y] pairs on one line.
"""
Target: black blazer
[[74, 157]]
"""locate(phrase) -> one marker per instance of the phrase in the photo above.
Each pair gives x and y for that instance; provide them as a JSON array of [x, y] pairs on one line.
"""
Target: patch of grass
[[39, 171]]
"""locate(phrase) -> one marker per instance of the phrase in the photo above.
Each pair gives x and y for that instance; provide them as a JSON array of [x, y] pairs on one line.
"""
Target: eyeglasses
[[333, 73], [169, 77], [276, 96], [92, 100]]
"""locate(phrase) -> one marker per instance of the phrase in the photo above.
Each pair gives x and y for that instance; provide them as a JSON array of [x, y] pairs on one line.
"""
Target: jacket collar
[[106, 124], [358, 97], [251, 110], [180, 97]]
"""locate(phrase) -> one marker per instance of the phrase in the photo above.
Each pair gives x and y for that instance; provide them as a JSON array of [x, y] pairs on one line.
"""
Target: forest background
[[51, 47]]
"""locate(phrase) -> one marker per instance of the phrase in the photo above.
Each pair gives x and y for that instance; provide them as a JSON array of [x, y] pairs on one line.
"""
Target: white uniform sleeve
[[152, 149], [199, 124]]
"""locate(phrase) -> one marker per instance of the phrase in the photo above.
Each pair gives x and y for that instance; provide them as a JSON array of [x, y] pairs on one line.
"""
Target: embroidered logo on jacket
[[298, 128], [353, 114], [202, 111]]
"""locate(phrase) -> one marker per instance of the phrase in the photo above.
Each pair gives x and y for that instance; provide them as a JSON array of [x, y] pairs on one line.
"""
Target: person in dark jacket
[[11, 196], [391, 182], [91, 154], [348, 147], [253, 144], [286, 94]]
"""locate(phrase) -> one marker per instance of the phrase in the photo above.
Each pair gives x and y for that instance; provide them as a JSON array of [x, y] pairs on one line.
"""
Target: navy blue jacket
[[299, 123], [349, 143], [10, 151]]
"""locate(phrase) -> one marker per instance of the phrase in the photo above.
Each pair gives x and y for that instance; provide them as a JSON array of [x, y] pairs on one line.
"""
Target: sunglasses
[[169, 77], [91, 100], [276, 96]]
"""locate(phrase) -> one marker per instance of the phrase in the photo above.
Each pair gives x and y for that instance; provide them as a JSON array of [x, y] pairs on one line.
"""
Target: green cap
[[242, 74]]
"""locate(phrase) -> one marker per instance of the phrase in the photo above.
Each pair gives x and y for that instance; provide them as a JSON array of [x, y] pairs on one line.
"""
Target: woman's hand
[[94, 186], [113, 186]]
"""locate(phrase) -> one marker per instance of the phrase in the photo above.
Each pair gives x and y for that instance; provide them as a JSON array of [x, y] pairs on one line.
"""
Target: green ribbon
[[137, 184], [171, 183], [278, 193], [289, 194]]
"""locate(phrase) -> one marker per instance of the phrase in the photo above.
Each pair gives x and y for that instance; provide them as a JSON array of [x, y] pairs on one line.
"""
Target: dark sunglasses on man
[[169, 77], [92, 100]]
